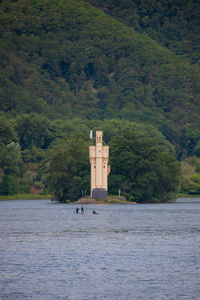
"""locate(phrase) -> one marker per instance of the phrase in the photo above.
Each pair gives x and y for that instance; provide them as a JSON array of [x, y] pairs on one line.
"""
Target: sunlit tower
[[100, 169]]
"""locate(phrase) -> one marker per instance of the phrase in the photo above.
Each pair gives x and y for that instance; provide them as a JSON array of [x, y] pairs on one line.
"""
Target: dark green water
[[149, 251]]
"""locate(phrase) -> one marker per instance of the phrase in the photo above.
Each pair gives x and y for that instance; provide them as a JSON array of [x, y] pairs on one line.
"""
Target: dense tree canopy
[[174, 24], [67, 58], [142, 166], [130, 69], [142, 160], [68, 170], [33, 131], [141, 169]]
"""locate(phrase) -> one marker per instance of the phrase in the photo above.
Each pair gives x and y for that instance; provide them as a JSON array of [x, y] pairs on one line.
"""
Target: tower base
[[99, 193]]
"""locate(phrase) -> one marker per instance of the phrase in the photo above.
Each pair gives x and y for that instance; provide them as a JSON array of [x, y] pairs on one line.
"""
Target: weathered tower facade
[[100, 170]]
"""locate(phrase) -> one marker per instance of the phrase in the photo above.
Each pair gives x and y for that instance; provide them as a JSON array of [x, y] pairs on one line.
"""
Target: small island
[[108, 200]]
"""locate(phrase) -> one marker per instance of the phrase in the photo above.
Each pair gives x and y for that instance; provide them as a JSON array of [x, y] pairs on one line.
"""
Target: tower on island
[[100, 169]]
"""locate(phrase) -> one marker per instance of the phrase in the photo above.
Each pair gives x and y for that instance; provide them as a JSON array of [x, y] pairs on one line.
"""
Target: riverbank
[[84, 200], [25, 197], [187, 196]]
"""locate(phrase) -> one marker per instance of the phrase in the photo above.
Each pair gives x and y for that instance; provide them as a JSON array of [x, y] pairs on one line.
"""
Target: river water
[[148, 251]]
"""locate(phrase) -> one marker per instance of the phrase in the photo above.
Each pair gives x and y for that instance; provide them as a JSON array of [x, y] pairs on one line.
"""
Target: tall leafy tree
[[141, 169], [67, 170]]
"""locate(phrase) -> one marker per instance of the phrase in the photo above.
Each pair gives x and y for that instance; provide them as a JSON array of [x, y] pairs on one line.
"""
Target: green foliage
[[35, 155], [33, 131], [68, 170], [191, 176], [22, 187], [7, 133], [66, 59], [141, 163], [10, 158], [174, 24], [193, 186], [22, 196], [8, 185], [189, 141], [65, 172], [67, 67], [197, 149], [141, 169]]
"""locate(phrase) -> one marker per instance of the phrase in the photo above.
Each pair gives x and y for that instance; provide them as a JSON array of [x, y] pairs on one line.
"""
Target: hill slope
[[174, 24], [67, 59]]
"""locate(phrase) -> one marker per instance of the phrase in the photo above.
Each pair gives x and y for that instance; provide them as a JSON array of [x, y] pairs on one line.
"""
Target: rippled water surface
[[149, 251]]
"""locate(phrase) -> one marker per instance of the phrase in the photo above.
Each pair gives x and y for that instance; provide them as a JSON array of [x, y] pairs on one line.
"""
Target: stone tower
[[100, 170]]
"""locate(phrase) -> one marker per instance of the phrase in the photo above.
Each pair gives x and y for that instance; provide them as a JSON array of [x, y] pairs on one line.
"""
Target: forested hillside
[[67, 59], [68, 67], [173, 23]]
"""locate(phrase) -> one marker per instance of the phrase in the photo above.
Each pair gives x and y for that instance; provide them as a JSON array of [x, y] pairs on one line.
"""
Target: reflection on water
[[125, 252]]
